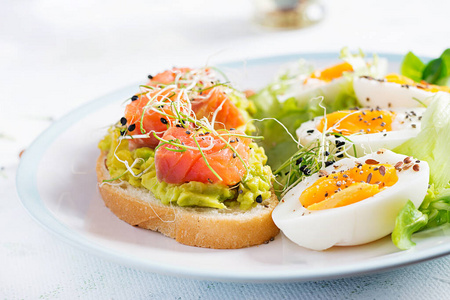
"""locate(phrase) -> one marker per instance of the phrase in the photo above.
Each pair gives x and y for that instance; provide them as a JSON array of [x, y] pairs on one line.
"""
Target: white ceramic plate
[[56, 182]]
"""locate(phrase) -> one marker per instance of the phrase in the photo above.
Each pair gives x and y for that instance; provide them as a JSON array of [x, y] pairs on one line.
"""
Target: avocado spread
[[138, 168]]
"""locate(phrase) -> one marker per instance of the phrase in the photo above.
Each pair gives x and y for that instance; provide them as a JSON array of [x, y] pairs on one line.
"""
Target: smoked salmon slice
[[168, 77], [153, 121], [228, 115], [180, 167], [205, 100]]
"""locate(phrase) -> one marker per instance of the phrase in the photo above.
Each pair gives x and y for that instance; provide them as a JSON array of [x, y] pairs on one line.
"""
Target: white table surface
[[56, 55]]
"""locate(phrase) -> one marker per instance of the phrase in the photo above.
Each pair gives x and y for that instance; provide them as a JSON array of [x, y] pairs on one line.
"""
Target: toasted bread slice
[[193, 226]]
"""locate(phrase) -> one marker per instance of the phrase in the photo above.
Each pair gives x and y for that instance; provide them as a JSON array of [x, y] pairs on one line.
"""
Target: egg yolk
[[332, 72], [400, 79], [347, 187], [347, 122]]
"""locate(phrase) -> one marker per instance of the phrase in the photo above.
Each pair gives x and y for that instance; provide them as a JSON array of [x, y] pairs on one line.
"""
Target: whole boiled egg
[[364, 130], [394, 90], [353, 202]]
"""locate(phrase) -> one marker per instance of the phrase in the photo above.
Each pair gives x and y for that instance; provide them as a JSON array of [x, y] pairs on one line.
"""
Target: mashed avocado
[[138, 168]]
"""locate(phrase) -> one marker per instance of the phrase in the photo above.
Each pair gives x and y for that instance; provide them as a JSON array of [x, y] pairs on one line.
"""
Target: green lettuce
[[412, 67], [430, 145], [433, 141], [436, 71], [286, 101], [409, 220]]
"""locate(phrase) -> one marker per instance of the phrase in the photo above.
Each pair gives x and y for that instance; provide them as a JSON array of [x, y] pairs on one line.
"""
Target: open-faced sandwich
[[181, 162]]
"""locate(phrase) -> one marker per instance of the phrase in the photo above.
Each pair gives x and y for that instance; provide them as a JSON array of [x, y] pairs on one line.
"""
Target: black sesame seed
[[150, 77], [232, 141], [234, 155], [132, 127], [237, 139], [123, 121], [259, 199], [164, 121], [299, 161], [339, 143], [310, 131], [327, 153], [134, 98], [188, 132], [307, 171], [329, 163], [340, 155]]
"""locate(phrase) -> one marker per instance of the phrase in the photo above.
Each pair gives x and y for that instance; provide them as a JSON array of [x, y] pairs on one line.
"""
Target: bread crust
[[201, 227]]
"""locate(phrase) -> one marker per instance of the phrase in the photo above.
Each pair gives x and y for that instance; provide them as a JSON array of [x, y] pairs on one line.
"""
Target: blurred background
[[58, 54]]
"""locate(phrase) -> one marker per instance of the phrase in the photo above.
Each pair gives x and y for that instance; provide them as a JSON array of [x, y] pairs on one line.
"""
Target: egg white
[[406, 125], [371, 92], [316, 87], [357, 223]]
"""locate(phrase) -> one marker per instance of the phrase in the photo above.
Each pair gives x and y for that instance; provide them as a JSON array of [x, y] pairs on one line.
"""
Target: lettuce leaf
[[432, 146], [408, 221], [412, 67], [437, 206], [433, 141], [436, 71], [286, 100]]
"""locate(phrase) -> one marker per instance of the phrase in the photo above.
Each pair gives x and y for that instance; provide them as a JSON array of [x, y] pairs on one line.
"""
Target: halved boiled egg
[[353, 202], [394, 90], [324, 82], [366, 129]]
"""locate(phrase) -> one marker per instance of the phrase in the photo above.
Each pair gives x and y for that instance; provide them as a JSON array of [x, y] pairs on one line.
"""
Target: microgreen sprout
[[172, 102]]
